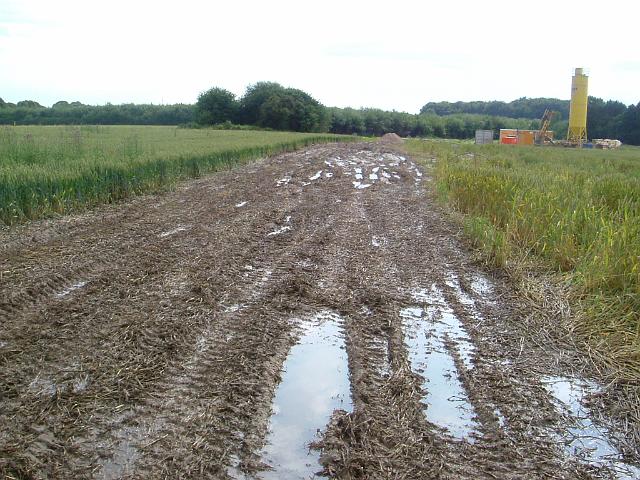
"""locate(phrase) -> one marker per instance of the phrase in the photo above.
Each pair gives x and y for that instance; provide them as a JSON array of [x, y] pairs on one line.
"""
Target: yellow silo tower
[[578, 108]]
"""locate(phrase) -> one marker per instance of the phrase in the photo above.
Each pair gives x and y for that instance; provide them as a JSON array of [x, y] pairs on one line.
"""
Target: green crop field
[[46, 170], [576, 212]]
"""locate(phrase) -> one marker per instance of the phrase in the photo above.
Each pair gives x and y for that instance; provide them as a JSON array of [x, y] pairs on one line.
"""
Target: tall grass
[[576, 211], [46, 170]]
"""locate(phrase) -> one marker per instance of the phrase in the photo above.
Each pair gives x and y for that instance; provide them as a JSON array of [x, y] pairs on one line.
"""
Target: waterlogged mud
[[445, 400], [310, 312], [584, 438]]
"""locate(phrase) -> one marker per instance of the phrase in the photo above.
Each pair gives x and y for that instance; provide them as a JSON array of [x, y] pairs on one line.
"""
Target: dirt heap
[[391, 138]]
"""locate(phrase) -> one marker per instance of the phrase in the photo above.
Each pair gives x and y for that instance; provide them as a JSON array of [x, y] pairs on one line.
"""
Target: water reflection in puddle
[[446, 401], [461, 295], [444, 323], [481, 286], [123, 459], [172, 231], [70, 289], [585, 439], [315, 382]]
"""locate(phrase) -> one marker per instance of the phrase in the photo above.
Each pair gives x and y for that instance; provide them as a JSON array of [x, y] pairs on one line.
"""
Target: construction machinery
[[544, 136]]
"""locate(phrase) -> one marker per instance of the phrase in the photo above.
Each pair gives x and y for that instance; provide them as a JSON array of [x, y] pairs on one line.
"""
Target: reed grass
[[54, 170], [574, 212]]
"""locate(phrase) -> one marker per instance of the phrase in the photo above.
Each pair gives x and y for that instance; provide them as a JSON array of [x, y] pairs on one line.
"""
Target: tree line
[[75, 113], [269, 105]]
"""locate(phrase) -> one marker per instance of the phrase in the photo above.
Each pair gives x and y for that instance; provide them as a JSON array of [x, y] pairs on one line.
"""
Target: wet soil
[[313, 312]]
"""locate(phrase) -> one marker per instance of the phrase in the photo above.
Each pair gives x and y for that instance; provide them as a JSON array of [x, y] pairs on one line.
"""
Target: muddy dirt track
[[316, 296]]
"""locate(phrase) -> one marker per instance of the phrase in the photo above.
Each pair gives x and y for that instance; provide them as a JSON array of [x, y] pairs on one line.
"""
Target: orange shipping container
[[511, 136], [526, 137]]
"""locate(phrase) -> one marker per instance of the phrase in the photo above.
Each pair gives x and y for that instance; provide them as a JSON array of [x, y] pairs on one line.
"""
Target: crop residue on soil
[[315, 297]]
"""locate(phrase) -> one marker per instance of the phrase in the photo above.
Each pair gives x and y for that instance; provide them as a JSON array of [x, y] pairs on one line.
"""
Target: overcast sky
[[391, 55]]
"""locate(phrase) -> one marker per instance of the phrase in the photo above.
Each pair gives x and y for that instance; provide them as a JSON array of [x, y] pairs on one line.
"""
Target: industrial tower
[[577, 133]]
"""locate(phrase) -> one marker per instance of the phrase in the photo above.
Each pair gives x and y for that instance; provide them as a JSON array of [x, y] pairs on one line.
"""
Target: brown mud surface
[[147, 339]]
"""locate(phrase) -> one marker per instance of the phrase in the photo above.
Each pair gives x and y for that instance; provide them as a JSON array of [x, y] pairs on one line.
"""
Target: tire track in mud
[[156, 257], [419, 264], [146, 340]]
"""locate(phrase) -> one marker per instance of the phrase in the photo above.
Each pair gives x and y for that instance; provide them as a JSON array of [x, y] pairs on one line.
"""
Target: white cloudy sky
[[392, 55]]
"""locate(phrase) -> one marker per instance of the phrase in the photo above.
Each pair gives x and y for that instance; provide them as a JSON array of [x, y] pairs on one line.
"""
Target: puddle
[[172, 232], [81, 384], [241, 204], [315, 382], [233, 308], [123, 459], [586, 440], [43, 387], [501, 420], [316, 176], [445, 324], [446, 401], [384, 369], [433, 296], [461, 295], [280, 230], [70, 289], [481, 286]]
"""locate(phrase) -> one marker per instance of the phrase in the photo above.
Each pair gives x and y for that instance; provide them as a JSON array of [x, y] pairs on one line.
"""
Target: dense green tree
[[630, 125], [29, 104], [603, 118], [216, 105], [253, 99], [270, 105]]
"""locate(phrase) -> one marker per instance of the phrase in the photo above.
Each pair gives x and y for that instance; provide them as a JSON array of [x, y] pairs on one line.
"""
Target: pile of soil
[[391, 139]]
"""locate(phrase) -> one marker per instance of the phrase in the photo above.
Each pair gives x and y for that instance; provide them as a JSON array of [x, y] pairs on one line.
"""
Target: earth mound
[[391, 138]]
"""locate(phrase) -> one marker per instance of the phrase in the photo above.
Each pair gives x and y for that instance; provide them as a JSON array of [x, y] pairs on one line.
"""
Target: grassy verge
[[576, 213], [49, 170]]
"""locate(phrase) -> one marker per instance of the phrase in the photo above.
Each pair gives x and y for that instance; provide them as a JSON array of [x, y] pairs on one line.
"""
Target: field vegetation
[[576, 212], [47, 170]]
